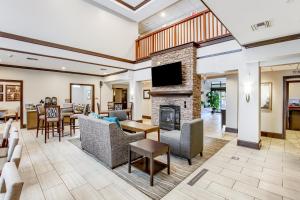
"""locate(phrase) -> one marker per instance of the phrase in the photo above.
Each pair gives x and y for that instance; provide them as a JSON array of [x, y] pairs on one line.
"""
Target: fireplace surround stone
[[190, 104]]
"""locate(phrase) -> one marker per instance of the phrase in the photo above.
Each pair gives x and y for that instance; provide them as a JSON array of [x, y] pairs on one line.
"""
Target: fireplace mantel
[[171, 93]]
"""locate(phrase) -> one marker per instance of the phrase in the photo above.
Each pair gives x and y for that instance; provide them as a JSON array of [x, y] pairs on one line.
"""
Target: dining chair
[[52, 116], [110, 105], [66, 112], [118, 106], [47, 101], [130, 108], [99, 108], [54, 101], [40, 118]]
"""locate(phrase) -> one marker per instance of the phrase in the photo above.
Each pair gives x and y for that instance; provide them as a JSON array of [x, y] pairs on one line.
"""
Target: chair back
[[78, 109], [48, 101], [10, 182], [16, 156], [110, 105], [54, 101], [118, 106], [52, 113], [40, 109], [130, 106], [87, 109], [120, 114], [99, 107]]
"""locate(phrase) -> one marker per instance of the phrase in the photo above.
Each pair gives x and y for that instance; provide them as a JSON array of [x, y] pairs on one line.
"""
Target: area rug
[[164, 183]]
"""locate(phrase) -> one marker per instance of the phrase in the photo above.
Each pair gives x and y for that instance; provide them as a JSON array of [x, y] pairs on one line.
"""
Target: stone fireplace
[[169, 117], [186, 97]]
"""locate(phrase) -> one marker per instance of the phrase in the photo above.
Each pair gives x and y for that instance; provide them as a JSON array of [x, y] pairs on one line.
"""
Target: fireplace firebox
[[169, 117]]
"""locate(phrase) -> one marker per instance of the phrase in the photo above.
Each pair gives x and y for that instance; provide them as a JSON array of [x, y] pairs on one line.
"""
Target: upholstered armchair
[[120, 114], [186, 143]]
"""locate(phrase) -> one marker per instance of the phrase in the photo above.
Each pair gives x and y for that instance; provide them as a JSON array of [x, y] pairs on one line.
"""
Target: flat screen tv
[[164, 75]]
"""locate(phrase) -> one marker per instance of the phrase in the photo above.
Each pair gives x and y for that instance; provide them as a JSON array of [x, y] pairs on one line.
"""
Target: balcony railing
[[199, 28]]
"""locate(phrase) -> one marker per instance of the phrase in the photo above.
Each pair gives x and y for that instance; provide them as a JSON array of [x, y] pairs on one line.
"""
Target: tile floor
[[59, 170]]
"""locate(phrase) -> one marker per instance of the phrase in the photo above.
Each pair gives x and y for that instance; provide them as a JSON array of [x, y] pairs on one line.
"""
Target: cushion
[[95, 115], [112, 119], [172, 138], [3, 152], [2, 162]]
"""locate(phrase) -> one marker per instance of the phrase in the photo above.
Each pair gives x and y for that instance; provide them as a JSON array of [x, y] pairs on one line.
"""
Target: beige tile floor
[[59, 170]]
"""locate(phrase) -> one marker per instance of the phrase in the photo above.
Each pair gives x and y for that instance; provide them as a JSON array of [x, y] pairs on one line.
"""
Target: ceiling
[[171, 14], [21, 59], [148, 9], [238, 16], [281, 67]]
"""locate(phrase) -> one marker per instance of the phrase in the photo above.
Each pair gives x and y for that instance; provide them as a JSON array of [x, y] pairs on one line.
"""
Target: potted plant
[[213, 100]]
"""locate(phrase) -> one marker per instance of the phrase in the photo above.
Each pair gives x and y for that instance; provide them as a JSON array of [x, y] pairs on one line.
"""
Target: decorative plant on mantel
[[213, 100]]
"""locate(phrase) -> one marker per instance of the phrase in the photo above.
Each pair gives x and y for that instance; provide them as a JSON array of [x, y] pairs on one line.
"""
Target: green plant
[[213, 100]]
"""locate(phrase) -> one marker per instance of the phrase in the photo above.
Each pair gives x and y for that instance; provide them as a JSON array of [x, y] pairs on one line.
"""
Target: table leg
[[129, 159], [151, 170], [158, 135], [168, 157]]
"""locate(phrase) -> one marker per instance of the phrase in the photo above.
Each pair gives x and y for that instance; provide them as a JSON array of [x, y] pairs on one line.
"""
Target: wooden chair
[[66, 112], [48, 101], [110, 105], [129, 108], [52, 116], [40, 118], [118, 106], [99, 108], [54, 101]]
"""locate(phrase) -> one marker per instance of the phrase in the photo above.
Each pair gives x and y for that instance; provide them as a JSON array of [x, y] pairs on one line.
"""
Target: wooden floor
[[59, 170]]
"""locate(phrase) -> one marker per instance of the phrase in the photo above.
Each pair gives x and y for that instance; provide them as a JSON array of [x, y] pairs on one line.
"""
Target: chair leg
[[70, 127], [43, 126], [37, 128], [45, 133], [190, 161], [48, 130], [58, 128], [201, 154], [52, 129]]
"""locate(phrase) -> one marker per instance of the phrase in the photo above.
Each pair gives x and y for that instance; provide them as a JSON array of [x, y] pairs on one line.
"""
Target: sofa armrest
[[133, 137]]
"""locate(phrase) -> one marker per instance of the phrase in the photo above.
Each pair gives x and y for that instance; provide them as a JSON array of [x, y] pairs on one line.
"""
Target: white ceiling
[[20, 59], [281, 67], [133, 2], [140, 14], [175, 12], [238, 16]]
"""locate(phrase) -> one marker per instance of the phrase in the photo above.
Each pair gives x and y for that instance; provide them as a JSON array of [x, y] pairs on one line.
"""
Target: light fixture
[[248, 88], [63, 68], [162, 14]]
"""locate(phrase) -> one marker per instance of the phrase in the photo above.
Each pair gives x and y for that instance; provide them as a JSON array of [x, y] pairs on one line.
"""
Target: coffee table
[[134, 126], [149, 149]]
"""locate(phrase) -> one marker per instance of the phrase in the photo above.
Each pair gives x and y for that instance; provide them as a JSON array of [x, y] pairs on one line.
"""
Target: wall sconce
[[247, 90]]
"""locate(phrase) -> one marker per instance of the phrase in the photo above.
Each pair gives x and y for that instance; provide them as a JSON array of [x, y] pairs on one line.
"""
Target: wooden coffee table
[[134, 126], [149, 149]]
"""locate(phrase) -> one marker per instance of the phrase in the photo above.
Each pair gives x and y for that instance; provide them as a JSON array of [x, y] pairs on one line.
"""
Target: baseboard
[[231, 130], [146, 116], [271, 135], [247, 144]]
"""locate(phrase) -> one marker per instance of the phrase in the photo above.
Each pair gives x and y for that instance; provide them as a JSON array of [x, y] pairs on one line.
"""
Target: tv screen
[[169, 74]]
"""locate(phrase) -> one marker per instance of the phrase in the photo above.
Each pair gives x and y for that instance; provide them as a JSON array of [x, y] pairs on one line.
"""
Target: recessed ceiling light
[[35, 59], [162, 14], [63, 68], [103, 69]]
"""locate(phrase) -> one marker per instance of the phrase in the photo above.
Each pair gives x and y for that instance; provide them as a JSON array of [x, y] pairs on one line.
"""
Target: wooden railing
[[199, 28]]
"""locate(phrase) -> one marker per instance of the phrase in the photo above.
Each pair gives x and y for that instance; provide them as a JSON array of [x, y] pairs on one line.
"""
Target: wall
[[232, 101], [146, 103], [76, 23], [294, 90], [271, 121], [10, 105], [38, 85]]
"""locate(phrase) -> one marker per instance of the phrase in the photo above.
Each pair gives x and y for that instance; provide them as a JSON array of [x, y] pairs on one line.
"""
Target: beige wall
[[146, 103], [39, 84], [271, 121], [232, 101]]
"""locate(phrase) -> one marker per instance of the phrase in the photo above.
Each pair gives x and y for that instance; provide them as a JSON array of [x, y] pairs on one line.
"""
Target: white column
[[249, 106], [136, 95]]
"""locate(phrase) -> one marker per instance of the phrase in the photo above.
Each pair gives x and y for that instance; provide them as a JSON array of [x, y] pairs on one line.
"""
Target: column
[[136, 95], [249, 106]]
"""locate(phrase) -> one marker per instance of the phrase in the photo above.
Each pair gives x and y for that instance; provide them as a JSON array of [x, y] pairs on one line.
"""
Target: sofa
[[106, 141], [186, 143]]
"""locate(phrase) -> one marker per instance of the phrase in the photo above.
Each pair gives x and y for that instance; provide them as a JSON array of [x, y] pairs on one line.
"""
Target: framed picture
[[266, 96], [1, 97], [1, 88], [12, 92], [146, 94]]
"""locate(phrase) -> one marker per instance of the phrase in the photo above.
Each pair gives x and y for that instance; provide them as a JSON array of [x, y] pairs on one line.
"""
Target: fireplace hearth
[[169, 117]]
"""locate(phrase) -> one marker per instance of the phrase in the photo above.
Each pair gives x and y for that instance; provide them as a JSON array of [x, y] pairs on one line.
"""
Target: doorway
[[291, 104], [120, 94], [11, 100], [83, 94]]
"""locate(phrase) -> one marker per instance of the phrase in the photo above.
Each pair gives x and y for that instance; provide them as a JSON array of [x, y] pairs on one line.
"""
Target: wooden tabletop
[[137, 127], [150, 146]]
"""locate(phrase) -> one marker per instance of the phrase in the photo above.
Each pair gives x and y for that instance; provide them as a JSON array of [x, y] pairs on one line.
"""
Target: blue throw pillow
[[95, 115], [112, 119]]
